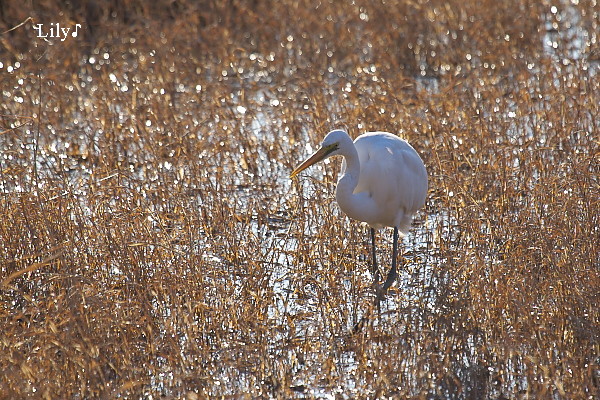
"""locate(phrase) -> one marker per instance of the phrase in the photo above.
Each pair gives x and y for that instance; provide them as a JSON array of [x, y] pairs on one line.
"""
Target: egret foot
[[359, 325], [380, 290]]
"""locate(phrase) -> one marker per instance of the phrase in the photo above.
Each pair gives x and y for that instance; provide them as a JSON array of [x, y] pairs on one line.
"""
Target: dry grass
[[153, 246]]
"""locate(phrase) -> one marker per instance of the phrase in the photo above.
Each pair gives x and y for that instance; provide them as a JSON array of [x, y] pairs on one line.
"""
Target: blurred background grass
[[153, 246]]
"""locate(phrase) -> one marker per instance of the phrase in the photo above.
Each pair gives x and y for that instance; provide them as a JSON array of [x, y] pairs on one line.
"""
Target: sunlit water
[[416, 283]]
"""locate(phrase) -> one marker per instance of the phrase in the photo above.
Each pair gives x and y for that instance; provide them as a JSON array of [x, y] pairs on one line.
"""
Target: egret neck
[[358, 206]]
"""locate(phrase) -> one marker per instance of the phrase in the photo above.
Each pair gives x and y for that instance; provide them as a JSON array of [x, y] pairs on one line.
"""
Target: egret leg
[[376, 276], [393, 274], [375, 270], [381, 290]]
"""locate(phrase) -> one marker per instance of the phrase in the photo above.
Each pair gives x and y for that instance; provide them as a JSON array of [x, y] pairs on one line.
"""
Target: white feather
[[393, 175], [383, 180]]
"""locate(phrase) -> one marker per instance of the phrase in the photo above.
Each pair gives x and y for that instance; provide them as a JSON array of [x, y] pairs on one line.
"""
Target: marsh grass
[[153, 246]]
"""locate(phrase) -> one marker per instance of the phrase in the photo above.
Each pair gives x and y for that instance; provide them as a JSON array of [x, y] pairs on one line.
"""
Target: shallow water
[[161, 175]]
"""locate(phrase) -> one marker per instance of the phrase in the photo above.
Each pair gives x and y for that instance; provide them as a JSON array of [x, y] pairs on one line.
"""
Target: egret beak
[[321, 154]]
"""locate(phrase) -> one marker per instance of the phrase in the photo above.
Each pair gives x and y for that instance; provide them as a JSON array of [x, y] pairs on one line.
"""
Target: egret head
[[332, 145]]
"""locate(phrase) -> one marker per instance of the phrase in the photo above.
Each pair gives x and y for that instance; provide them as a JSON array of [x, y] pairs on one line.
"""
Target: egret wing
[[393, 175]]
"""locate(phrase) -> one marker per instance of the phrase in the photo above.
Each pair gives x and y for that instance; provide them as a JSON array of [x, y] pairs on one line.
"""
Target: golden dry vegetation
[[152, 245]]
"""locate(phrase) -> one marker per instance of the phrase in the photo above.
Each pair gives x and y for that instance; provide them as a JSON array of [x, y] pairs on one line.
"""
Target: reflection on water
[[185, 176]]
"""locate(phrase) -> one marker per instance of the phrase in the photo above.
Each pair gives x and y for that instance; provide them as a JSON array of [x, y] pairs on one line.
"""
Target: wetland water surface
[[152, 244]]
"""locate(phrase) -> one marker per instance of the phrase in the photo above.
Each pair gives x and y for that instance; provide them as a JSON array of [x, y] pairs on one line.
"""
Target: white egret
[[383, 182]]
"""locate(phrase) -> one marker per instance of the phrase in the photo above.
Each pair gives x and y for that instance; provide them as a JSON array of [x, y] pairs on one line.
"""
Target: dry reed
[[152, 245]]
